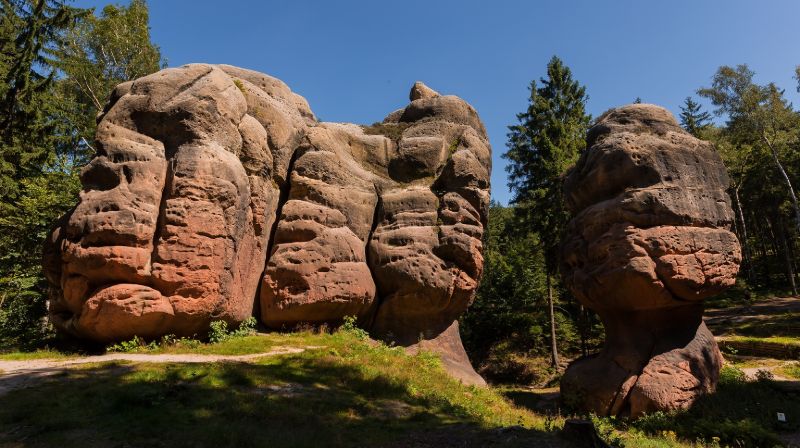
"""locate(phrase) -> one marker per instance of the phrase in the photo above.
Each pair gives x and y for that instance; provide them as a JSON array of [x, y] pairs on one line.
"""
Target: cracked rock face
[[650, 239], [216, 194]]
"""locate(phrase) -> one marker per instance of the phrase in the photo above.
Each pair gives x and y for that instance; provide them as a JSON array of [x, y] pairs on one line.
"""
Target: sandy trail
[[20, 374]]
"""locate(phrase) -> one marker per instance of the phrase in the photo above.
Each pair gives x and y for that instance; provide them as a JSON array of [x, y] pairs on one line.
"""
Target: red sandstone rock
[[650, 239], [215, 188]]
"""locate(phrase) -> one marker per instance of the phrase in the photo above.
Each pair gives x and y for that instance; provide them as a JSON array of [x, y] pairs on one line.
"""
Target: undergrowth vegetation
[[218, 333], [741, 413]]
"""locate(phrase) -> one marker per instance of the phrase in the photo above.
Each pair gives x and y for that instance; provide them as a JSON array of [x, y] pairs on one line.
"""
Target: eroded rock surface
[[650, 239], [216, 194]]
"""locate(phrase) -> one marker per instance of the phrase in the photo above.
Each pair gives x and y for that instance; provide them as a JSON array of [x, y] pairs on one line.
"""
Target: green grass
[[741, 413], [786, 325], [243, 345], [347, 391], [350, 392], [781, 340], [743, 294], [45, 353], [790, 370]]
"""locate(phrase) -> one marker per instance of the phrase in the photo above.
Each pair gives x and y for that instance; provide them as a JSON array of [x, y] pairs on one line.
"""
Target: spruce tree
[[546, 141], [31, 29], [692, 118]]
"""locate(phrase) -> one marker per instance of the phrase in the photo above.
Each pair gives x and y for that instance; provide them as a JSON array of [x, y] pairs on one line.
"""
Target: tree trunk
[[786, 180], [743, 229], [767, 271], [553, 345], [786, 256]]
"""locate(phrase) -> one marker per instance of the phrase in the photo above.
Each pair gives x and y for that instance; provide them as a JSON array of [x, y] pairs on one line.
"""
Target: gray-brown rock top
[[215, 192], [650, 239]]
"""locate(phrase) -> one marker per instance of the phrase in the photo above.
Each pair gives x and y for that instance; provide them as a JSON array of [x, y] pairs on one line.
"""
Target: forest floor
[[775, 316], [761, 338]]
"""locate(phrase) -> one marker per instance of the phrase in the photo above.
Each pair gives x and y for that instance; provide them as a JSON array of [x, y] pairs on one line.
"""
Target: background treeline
[[58, 65], [523, 314]]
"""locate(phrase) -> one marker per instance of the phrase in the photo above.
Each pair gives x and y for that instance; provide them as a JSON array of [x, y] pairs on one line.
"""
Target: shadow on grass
[[541, 401], [759, 325], [285, 402], [741, 413]]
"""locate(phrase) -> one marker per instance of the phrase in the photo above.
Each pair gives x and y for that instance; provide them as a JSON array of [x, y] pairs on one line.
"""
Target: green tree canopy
[[28, 104], [757, 116]]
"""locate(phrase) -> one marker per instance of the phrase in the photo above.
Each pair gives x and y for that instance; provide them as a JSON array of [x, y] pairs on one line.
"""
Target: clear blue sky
[[356, 60]]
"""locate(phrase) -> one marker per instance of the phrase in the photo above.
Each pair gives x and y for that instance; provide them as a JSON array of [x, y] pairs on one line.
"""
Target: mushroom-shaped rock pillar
[[649, 240]]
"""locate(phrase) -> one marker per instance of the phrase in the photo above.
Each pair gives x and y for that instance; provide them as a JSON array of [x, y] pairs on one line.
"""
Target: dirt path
[[760, 310], [20, 374]]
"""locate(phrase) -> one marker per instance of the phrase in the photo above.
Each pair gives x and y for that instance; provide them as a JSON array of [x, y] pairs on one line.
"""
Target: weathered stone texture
[[215, 189], [650, 239]]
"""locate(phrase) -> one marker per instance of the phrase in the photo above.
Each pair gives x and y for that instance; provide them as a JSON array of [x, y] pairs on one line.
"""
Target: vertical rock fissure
[[161, 220], [283, 196], [371, 262]]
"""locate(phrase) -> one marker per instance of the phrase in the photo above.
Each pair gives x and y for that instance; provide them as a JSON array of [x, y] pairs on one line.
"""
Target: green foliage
[[520, 303], [546, 142], [219, 332], [24, 224], [99, 53], [741, 413], [132, 345], [759, 141], [693, 119], [507, 325], [29, 105], [58, 65], [350, 326], [607, 430], [797, 76]]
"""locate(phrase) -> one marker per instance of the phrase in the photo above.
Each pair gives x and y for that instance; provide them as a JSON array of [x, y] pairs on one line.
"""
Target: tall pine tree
[[548, 139], [693, 119]]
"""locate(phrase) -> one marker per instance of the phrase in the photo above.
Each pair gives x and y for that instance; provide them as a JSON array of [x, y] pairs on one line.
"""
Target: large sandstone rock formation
[[649, 241], [215, 192]]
